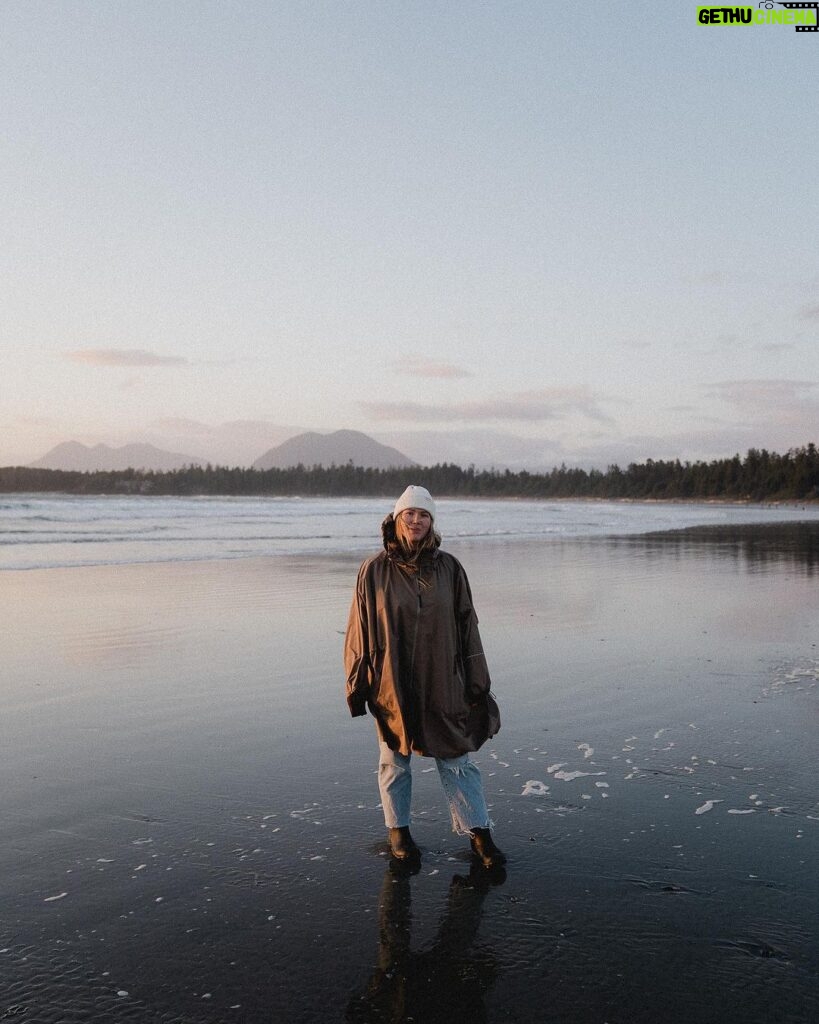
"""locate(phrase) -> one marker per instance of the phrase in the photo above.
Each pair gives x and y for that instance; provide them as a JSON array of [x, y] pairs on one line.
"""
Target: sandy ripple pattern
[[59, 989]]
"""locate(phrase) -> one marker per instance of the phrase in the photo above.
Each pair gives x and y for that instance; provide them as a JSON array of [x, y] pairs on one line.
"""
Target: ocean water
[[55, 531]]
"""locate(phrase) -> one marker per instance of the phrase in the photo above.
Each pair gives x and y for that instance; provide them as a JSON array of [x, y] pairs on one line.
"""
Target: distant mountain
[[71, 455], [336, 449]]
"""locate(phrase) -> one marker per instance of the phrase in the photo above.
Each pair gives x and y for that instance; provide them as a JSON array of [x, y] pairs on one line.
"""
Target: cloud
[[123, 357], [776, 346], [234, 428], [767, 394], [429, 368], [484, 448], [546, 404], [720, 442], [179, 423], [779, 413], [809, 313]]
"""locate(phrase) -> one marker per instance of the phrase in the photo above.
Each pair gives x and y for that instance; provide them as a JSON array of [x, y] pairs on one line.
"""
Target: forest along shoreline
[[759, 477]]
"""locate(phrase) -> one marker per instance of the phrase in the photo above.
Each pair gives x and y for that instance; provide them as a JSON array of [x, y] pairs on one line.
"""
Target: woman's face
[[413, 525]]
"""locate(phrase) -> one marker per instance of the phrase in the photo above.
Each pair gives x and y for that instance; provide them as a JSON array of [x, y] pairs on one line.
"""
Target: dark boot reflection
[[449, 980]]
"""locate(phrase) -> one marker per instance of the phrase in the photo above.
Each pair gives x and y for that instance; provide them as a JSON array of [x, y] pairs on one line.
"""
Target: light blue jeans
[[461, 781]]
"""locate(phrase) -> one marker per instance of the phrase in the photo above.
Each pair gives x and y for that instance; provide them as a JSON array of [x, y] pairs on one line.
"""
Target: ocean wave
[[39, 532]]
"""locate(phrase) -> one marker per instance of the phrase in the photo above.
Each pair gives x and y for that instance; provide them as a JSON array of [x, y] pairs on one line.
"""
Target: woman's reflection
[[445, 982]]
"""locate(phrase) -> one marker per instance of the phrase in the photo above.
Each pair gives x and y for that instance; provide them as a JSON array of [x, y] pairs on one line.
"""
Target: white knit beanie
[[415, 497]]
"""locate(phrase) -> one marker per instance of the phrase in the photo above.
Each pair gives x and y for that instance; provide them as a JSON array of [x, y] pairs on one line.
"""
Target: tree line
[[759, 476]]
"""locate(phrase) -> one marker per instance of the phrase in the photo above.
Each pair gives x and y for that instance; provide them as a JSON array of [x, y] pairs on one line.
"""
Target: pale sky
[[514, 233]]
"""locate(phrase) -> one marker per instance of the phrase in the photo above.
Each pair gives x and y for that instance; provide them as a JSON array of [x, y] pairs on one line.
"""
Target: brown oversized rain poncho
[[413, 654]]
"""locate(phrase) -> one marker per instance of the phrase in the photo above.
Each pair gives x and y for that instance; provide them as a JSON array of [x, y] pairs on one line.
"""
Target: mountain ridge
[[309, 448], [337, 448], [75, 456]]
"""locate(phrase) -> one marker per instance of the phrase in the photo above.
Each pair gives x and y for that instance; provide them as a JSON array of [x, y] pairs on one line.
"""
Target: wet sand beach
[[191, 829]]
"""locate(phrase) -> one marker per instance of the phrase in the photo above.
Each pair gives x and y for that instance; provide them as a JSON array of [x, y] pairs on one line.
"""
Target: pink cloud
[[541, 405], [767, 394], [123, 357], [429, 368]]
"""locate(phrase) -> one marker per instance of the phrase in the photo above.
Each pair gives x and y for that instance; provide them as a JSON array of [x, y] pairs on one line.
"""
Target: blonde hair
[[413, 553]]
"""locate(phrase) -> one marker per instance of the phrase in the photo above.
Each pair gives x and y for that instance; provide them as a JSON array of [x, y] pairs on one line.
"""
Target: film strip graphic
[[801, 7]]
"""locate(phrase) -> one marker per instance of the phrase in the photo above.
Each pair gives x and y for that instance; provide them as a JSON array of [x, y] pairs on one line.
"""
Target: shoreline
[[110, 532], [442, 496]]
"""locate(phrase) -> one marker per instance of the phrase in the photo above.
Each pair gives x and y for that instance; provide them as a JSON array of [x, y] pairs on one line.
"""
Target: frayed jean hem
[[462, 785]]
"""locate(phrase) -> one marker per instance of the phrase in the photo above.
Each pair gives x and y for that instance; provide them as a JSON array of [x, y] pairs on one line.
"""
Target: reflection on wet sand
[[754, 546], [190, 817], [447, 981]]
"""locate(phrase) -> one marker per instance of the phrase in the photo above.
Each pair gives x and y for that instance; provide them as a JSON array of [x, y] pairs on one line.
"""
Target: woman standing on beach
[[413, 655]]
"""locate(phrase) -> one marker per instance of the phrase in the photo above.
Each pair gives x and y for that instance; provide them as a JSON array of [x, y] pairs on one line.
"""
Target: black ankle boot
[[483, 846], [402, 844]]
